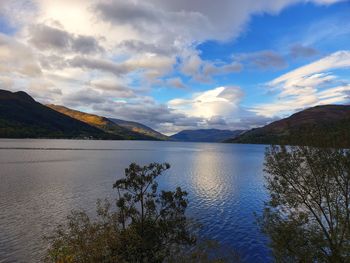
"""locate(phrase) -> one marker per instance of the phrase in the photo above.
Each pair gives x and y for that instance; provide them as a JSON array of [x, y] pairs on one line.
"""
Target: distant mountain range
[[327, 125], [22, 117], [205, 135]]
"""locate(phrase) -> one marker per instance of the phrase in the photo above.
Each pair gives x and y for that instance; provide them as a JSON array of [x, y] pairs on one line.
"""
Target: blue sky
[[181, 64]]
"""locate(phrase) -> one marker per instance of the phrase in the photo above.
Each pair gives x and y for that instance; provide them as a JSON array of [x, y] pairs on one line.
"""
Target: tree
[[157, 220], [308, 215], [146, 226]]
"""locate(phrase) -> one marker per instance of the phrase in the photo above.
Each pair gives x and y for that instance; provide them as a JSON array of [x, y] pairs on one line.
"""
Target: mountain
[[326, 125], [205, 135], [22, 117], [140, 128], [103, 123]]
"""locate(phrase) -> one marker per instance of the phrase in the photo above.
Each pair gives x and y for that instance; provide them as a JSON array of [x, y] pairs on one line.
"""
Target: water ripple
[[42, 180]]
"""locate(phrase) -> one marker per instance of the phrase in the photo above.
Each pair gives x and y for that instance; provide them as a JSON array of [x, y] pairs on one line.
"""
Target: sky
[[175, 65]]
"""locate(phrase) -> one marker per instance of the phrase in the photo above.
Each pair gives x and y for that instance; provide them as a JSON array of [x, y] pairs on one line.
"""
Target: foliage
[[147, 226], [308, 215], [157, 219]]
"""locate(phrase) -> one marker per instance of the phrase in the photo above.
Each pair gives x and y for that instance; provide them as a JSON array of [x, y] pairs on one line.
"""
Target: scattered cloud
[[114, 88], [300, 51], [339, 59], [308, 86], [92, 63], [45, 37], [262, 60], [138, 46], [203, 70], [176, 83]]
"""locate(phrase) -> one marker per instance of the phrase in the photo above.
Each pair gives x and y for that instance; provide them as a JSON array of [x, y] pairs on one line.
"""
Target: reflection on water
[[42, 180], [208, 181]]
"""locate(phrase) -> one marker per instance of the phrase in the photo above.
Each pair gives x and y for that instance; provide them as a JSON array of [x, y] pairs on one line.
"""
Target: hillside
[[326, 125], [140, 128], [205, 135], [103, 123], [22, 117]]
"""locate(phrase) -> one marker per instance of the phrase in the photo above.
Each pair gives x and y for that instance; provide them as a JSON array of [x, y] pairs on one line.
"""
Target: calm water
[[41, 181]]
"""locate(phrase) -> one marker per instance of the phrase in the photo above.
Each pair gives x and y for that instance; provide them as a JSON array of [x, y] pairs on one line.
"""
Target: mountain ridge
[[103, 123], [323, 125], [23, 117]]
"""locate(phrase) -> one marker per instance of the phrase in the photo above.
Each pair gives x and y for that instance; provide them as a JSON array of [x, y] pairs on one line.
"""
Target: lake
[[41, 181]]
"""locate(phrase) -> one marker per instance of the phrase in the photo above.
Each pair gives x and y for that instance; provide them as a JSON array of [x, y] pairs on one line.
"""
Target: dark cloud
[[212, 68], [124, 12], [147, 18], [216, 120], [138, 46], [263, 60], [114, 89], [85, 44], [45, 37], [98, 64], [83, 98], [154, 66], [300, 51]]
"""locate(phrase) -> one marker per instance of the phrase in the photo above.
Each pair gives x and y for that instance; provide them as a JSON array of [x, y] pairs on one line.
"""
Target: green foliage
[[308, 215], [157, 219], [147, 226]]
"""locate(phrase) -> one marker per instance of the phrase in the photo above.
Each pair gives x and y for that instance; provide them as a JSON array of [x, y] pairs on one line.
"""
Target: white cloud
[[308, 86], [340, 59], [221, 101]]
